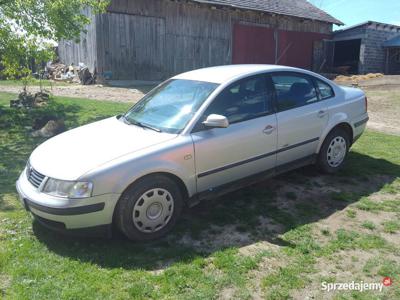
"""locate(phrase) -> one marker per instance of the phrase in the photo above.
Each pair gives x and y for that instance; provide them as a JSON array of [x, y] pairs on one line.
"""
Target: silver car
[[195, 136]]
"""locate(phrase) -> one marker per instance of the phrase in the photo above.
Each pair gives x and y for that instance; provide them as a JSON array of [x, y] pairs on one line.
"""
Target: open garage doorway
[[347, 56]]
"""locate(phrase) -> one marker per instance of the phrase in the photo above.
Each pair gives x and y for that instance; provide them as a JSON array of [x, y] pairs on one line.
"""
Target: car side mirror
[[216, 121]]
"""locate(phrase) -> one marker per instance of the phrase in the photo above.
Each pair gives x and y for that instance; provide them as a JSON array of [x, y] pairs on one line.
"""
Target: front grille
[[35, 177]]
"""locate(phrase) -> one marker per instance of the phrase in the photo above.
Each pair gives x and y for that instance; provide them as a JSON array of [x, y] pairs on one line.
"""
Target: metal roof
[[367, 23], [394, 42], [294, 8]]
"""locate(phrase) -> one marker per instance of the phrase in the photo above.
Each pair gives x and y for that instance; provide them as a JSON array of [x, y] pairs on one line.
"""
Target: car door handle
[[269, 129], [322, 113]]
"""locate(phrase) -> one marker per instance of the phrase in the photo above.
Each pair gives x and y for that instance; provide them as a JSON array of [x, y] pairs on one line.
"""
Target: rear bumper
[[67, 215], [359, 126]]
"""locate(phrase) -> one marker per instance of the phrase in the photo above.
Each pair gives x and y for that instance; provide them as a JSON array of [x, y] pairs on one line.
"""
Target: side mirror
[[216, 121]]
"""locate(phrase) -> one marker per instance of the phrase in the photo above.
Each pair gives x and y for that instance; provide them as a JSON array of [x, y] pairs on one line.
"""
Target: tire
[[149, 209], [334, 151]]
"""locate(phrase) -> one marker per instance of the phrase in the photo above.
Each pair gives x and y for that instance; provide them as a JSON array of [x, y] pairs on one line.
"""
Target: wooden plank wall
[[85, 50], [131, 46], [156, 39]]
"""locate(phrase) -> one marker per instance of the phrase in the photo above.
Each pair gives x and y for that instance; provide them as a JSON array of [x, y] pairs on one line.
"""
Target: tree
[[28, 28]]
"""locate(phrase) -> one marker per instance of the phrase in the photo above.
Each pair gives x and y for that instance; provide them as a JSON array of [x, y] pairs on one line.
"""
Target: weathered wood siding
[[85, 50], [131, 46], [155, 39]]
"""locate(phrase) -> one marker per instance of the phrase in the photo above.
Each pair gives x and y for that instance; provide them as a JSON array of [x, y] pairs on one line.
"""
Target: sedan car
[[194, 137]]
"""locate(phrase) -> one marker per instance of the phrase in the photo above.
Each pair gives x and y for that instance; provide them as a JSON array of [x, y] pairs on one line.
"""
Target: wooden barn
[[155, 39]]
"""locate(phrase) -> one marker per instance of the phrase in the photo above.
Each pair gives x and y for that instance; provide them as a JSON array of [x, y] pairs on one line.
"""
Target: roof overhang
[[245, 6], [394, 42]]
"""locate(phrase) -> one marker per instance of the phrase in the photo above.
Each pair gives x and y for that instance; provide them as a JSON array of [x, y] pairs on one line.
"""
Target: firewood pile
[[76, 74]]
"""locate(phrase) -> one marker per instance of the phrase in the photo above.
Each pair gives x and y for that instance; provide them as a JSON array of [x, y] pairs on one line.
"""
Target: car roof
[[222, 74]]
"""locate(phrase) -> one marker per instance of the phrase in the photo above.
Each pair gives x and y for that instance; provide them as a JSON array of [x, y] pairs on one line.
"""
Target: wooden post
[[387, 61]]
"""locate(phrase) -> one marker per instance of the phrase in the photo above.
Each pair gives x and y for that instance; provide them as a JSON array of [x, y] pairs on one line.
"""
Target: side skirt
[[252, 179]]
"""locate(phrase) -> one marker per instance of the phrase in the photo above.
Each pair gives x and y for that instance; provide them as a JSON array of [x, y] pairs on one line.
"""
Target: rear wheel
[[149, 209], [334, 151]]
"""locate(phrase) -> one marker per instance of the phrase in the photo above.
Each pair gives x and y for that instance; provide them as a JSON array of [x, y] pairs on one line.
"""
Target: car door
[[248, 145], [301, 116]]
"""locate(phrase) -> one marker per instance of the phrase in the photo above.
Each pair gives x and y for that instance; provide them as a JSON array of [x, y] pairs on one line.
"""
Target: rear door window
[[325, 90], [293, 90]]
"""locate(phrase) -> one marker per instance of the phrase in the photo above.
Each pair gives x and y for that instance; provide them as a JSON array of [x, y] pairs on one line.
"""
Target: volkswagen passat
[[196, 136]]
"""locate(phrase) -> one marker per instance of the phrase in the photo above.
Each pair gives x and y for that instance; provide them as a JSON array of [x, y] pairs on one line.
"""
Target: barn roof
[[295, 8]]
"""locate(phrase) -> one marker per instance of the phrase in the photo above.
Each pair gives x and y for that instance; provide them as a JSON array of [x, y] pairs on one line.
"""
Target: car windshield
[[170, 106]]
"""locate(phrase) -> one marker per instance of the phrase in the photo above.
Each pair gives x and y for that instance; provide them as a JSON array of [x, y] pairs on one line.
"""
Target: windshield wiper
[[143, 125], [146, 126], [124, 119], [140, 124]]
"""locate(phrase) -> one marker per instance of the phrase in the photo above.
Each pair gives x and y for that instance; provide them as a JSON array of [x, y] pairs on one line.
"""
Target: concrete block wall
[[372, 35], [374, 53]]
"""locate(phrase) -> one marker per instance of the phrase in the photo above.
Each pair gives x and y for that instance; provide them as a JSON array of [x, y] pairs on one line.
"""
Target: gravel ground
[[96, 92]]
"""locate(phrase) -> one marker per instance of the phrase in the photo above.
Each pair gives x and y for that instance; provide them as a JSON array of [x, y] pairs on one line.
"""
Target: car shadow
[[262, 212]]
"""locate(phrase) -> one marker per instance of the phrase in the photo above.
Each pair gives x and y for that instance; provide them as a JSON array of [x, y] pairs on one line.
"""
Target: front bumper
[[67, 214]]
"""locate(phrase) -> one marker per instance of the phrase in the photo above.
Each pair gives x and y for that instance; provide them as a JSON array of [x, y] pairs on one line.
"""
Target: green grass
[[291, 195], [346, 197], [369, 225], [369, 205], [391, 226], [38, 264], [351, 214]]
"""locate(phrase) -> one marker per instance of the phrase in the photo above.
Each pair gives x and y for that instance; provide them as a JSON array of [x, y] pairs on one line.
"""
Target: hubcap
[[336, 151], [153, 210]]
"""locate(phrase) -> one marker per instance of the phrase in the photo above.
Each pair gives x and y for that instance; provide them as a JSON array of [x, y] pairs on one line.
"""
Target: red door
[[295, 48], [257, 45], [253, 45]]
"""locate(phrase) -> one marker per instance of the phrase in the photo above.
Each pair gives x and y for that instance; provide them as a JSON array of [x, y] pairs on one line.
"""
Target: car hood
[[70, 155]]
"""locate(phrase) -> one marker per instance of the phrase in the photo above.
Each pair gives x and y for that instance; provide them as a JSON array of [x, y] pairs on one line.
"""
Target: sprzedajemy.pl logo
[[356, 286]]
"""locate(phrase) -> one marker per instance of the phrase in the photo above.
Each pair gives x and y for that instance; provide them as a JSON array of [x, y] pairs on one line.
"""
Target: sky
[[352, 12]]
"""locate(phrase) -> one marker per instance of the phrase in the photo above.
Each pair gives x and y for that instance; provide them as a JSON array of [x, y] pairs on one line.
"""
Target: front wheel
[[149, 209], [334, 151]]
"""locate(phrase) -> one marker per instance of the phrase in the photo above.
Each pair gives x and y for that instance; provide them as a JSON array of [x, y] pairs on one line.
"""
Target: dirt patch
[[384, 108], [298, 200], [5, 282], [217, 238], [383, 99], [309, 200], [227, 293], [96, 92]]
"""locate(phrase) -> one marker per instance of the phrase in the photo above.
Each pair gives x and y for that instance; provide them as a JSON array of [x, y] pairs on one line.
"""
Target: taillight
[[366, 104]]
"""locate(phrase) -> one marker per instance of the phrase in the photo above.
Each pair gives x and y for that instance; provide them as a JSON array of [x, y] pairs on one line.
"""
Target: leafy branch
[[27, 28]]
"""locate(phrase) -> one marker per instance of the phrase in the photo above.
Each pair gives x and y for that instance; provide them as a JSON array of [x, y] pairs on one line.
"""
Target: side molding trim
[[217, 170]]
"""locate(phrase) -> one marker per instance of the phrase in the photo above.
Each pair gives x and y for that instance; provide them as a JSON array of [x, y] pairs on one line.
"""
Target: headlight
[[68, 189]]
